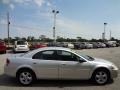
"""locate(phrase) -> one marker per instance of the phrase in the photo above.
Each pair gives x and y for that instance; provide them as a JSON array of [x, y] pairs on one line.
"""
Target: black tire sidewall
[[108, 77], [18, 77]]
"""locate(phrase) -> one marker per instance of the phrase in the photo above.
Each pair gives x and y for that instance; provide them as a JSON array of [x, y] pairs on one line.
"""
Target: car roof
[[31, 53], [53, 48]]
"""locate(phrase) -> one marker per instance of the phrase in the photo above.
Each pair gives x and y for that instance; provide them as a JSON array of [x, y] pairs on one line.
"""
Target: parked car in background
[[51, 44], [2, 47], [37, 45], [59, 63], [76, 45], [70, 45], [112, 43], [82, 45], [107, 44], [101, 45], [21, 46], [117, 44], [88, 45], [64, 44], [95, 44]]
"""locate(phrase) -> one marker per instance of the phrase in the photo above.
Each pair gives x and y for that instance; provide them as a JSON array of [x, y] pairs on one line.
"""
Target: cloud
[[3, 21], [67, 27], [24, 32], [49, 4], [39, 2], [5, 1], [12, 6], [21, 1]]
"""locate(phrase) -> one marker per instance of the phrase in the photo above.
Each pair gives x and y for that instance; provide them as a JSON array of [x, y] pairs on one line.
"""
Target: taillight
[[7, 62]]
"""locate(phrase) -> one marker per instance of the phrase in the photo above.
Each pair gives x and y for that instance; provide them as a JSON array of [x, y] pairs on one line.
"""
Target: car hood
[[102, 61]]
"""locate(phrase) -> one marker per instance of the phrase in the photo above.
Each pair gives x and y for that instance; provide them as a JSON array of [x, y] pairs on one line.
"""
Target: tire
[[4, 52], [25, 77], [101, 77]]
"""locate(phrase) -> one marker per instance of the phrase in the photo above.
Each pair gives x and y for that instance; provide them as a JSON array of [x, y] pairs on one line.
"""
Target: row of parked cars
[[89, 45], [86, 45], [20, 45]]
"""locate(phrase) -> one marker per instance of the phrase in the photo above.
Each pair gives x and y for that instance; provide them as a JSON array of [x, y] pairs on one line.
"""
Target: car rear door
[[46, 65]]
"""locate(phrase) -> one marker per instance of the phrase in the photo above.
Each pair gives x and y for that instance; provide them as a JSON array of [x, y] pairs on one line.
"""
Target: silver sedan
[[59, 63]]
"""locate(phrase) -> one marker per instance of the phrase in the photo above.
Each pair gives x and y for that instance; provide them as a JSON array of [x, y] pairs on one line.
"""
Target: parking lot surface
[[111, 54]]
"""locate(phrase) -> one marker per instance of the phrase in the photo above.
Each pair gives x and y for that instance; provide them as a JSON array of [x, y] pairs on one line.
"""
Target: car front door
[[46, 65], [71, 68]]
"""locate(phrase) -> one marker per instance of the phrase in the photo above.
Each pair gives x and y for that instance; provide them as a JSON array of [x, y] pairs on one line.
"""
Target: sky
[[83, 18]]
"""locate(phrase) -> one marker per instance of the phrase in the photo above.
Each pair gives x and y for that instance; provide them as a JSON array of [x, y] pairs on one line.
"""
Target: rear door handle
[[34, 63]]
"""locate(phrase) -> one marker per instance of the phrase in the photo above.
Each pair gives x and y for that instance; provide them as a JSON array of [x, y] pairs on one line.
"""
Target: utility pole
[[54, 27], [8, 25], [105, 30], [110, 34]]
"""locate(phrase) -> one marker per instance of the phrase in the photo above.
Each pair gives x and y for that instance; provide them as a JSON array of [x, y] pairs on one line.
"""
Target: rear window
[[21, 43]]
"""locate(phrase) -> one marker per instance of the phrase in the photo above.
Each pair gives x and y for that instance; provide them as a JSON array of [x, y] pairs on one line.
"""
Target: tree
[[17, 38], [79, 38], [23, 38], [93, 40], [32, 38], [113, 39]]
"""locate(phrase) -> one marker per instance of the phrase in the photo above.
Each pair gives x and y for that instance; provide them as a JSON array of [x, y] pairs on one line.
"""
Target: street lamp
[[105, 30], [54, 27], [8, 24]]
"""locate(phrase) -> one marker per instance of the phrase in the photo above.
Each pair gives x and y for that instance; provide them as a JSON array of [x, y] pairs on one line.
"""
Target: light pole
[[105, 30], [110, 34], [8, 25], [54, 27]]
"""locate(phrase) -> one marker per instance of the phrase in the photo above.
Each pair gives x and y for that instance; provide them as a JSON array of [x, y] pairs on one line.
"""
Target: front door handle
[[63, 64]]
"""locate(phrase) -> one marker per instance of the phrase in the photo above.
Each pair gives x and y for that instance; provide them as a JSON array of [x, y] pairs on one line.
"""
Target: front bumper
[[114, 73]]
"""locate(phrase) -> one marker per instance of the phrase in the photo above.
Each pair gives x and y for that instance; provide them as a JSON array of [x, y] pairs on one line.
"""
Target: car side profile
[[59, 63]]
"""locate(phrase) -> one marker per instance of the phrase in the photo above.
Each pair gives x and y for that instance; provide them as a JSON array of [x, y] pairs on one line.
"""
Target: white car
[[59, 63], [21, 46], [70, 45]]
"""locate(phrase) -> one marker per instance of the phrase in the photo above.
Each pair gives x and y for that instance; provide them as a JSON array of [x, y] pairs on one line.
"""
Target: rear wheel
[[25, 77], [101, 77]]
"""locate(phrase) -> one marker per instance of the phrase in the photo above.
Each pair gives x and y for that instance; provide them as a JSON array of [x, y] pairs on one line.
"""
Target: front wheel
[[101, 77], [25, 77]]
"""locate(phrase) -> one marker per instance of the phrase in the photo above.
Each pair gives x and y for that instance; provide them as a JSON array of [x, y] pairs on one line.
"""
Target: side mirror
[[81, 60]]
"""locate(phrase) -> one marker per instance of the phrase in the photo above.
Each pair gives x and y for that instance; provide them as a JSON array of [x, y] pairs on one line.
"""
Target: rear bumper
[[9, 71], [2, 50], [21, 50]]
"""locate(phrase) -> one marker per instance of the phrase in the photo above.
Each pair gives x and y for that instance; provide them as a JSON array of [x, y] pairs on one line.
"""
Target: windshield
[[88, 57]]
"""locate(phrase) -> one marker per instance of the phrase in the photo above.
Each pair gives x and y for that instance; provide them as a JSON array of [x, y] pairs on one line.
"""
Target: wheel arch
[[25, 68], [101, 68]]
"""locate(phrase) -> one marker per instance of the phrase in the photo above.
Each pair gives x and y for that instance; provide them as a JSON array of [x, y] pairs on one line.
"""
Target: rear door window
[[45, 55]]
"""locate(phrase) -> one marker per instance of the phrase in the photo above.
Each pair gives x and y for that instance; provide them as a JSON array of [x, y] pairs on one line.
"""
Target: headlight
[[113, 67]]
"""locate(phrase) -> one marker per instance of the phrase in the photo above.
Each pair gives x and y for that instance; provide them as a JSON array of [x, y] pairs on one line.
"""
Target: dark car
[[76, 45], [2, 47], [95, 45]]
